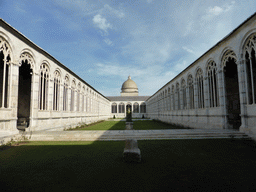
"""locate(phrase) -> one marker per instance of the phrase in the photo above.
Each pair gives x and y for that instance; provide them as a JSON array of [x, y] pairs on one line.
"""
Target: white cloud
[[148, 45], [180, 66], [217, 10], [101, 23], [108, 42], [110, 10], [19, 9], [187, 49], [149, 79]]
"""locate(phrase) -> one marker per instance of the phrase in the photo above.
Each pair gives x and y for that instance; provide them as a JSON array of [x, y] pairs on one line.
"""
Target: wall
[[123, 115], [89, 106], [173, 105]]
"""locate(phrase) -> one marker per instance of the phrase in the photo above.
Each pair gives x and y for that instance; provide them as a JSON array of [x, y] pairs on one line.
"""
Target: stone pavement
[[115, 135], [7, 136], [134, 134]]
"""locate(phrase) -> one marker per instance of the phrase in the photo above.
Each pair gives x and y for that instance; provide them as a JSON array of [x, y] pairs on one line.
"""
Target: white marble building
[[129, 99], [218, 90], [39, 92]]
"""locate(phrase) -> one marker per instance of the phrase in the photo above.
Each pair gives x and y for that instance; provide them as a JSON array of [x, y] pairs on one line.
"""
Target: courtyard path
[[134, 134]]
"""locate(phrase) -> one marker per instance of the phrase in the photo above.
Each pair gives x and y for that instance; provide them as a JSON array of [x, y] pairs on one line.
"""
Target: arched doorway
[[232, 101], [24, 95], [128, 109]]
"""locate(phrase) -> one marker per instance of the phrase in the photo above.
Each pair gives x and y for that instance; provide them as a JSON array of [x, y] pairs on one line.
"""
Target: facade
[[129, 100], [38, 92], [218, 90]]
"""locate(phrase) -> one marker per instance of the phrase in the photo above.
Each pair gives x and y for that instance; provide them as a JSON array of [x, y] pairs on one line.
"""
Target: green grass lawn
[[138, 125], [167, 165], [150, 125], [105, 125]]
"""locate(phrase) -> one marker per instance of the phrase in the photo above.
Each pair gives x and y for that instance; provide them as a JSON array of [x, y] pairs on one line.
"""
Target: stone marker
[[131, 151], [129, 125]]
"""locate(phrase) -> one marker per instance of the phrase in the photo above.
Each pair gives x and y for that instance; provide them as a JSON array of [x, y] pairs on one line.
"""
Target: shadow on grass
[[103, 125], [154, 124], [138, 125], [169, 165]]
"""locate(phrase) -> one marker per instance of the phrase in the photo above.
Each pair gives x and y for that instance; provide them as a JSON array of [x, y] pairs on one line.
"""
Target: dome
[[129, 84], [129, 87]]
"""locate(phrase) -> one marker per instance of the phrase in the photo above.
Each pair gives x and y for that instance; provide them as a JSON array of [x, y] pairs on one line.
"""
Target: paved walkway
[[7, 136], [51, 135], [135, 134]]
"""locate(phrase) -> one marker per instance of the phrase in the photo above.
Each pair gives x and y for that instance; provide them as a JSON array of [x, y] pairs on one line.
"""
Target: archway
[[24, 95], [128, 109], [232, 93]]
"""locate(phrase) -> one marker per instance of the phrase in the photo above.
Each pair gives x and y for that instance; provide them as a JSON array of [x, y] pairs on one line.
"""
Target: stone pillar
[[196, 101], [9, 98], [196, 94], [69, 99], [188, 104], [221, 86], [32, 100], [172, 99], [181, 99], [36, 91], [206, 93], [176, 99], [3, 86], [206, 99], [169, 102], [13, 94], [75, 100], [61, 97], [50, 95], [242, 93], [187, 97]]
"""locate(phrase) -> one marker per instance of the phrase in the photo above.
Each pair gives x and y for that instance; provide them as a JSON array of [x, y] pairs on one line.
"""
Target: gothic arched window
[[143, 108], [178, 95], [65, 94], [250, 59], [200, 88], [114, 108], [43, 87], [78, 97], [191, 92], [72, 103], [169, 99], [173, 97], [135, 108], [5, 52], [213, 84], [184, 94], [121, 108], [56, 90]]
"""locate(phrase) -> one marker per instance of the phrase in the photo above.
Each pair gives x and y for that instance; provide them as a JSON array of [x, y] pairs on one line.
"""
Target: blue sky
[[106, 41]]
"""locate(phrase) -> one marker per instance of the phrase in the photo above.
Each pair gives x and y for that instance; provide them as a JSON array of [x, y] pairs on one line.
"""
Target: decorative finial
[[129, 77]]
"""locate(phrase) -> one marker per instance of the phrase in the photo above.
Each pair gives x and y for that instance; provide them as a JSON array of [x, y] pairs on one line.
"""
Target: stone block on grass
[[131, 151]]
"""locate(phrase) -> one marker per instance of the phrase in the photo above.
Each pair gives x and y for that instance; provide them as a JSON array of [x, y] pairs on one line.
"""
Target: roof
[[128, 98], [129, 86], [218, 43], [22, 37]]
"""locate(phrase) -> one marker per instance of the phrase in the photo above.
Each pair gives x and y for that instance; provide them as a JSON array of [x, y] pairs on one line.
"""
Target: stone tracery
[[43, 87], [250, 59]]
